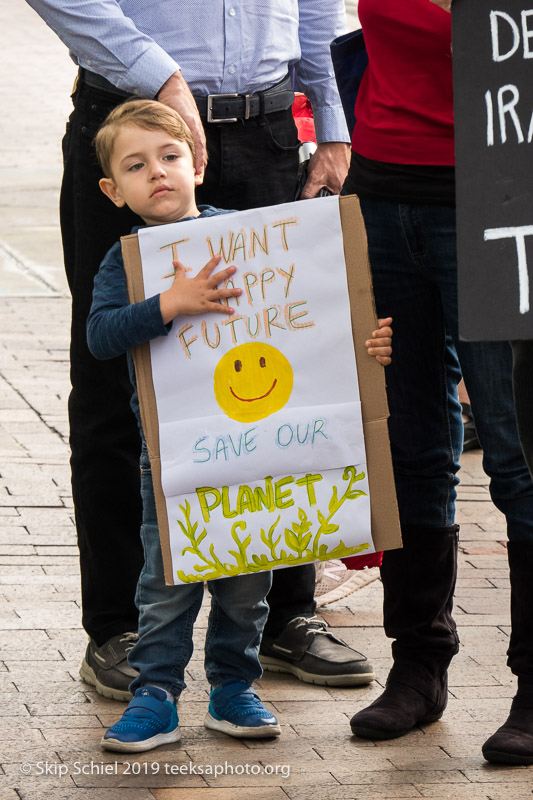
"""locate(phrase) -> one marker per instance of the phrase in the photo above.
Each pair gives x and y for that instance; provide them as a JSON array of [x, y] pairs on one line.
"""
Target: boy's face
[[153, 174]]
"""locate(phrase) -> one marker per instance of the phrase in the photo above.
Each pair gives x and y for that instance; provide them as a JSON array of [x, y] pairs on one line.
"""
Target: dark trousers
[[251, 164], [523, 395]]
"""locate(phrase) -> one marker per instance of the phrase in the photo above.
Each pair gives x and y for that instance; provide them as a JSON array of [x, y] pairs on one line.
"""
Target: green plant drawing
[[302, 545]]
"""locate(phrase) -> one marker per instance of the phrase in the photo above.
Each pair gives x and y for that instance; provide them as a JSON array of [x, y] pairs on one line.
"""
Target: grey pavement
[[50, 722]]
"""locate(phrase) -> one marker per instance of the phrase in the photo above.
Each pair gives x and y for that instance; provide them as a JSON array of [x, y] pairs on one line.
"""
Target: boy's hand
[[197, 295], [379, 345]]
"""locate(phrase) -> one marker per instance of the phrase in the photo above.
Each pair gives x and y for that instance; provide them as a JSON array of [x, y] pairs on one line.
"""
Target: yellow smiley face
[[252, 381]]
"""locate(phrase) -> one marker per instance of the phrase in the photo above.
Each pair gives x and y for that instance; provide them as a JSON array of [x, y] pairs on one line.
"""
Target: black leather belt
[[232, 107], [216, 107]]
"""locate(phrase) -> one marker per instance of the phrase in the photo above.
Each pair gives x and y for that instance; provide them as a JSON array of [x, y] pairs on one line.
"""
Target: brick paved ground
[[48, 718]]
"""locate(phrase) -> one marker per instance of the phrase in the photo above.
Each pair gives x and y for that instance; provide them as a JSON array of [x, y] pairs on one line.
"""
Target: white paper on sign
[[277, 522], [310, 438], [269, 391]]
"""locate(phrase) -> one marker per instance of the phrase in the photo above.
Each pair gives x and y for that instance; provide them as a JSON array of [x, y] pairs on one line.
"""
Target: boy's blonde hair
[[148, 114]]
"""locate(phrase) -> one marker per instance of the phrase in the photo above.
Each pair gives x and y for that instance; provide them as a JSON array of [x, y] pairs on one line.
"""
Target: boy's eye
[[171, 157], [135, 167]]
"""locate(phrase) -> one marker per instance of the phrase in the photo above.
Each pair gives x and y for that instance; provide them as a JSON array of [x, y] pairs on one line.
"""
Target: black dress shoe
[[306, 649]]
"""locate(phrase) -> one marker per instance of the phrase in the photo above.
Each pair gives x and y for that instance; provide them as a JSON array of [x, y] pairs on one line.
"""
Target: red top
[[404, 109]]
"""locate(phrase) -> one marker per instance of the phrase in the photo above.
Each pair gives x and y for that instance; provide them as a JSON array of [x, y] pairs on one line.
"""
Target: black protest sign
[[493, 98]]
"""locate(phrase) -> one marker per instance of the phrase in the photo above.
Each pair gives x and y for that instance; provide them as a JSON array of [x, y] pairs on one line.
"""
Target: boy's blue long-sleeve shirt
[[114, 325]]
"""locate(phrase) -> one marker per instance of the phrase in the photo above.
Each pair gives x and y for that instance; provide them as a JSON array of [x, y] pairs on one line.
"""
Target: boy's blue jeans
[[167, 615], [412, 250]]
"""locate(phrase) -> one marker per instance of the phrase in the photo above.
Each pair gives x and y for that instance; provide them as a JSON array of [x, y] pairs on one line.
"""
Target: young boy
[[147, 155]]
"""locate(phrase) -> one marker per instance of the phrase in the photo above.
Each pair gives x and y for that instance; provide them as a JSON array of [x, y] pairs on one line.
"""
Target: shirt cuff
[[149, 322], [330, 124], [151, 70]]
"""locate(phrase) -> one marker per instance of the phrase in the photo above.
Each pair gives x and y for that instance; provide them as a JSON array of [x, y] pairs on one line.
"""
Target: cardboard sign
[[254, 421], [493, 91]]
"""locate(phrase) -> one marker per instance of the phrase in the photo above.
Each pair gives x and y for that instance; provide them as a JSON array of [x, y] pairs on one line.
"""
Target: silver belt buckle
[[210, 98]]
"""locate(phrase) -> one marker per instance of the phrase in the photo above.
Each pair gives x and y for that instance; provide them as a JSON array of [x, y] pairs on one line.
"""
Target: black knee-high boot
[[513, 742], [418, 582]]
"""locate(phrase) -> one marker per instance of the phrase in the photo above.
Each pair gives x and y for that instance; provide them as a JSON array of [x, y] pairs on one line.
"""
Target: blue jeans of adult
[[412, 251], [167, 615]]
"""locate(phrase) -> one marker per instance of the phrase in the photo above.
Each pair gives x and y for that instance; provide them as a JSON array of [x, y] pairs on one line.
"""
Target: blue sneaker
[[149, 720], [235, 709]]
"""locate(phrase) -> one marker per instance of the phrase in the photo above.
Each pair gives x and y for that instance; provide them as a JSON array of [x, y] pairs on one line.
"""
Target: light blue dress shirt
[[221, 46]]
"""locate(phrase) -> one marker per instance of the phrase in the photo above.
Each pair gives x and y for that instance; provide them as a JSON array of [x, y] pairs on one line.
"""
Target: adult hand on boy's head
[[176, 94], [445, 4], [328, 168]]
